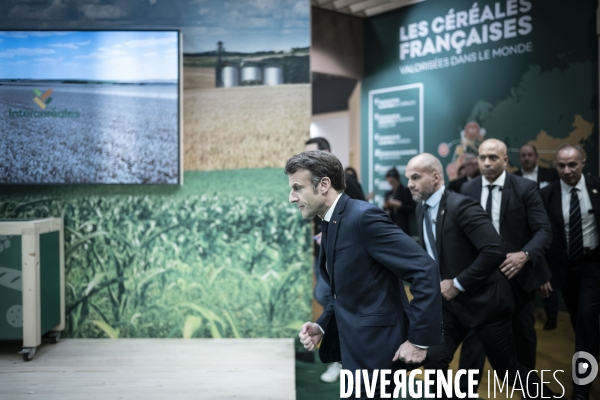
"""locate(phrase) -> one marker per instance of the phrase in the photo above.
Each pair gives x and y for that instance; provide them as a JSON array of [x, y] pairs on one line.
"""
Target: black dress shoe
[[579, 396], [550, 324]]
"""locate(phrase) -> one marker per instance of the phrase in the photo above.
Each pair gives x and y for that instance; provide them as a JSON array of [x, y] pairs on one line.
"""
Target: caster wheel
[[51, 337], [27, 353]]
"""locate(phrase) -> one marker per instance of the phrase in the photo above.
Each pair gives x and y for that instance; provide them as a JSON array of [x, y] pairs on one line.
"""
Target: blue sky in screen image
[[245, 26], [90, 55]]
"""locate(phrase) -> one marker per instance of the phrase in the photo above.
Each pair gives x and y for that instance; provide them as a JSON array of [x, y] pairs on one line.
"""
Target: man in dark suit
[[573, 206], [542, 177], [322, 292], [531, 170], [398, 202], [369, 324], [517, 212], [468, 250], [471, 168]]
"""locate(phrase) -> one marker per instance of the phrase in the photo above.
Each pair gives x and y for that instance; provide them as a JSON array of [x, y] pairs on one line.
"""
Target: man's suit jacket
[[401, 216], [470, 249], [524, 226], [557, 256], [353, 188], [545, 176], [456, 184], [369, 317]]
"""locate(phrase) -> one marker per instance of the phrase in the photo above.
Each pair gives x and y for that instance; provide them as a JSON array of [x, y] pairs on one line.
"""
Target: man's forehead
[[312, 146], [301, 175], [490, 148], [413, 169], [568, 155], [526, 150]]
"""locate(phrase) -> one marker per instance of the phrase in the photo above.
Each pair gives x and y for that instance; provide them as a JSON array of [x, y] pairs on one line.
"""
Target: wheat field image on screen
[[124, 134]]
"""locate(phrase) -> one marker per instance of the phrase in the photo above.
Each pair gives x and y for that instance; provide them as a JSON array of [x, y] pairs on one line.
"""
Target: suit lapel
[[439, 222], [331, 237], [556, 210], [419, 215], [594, 193], [322, 264], [332, 233], [541, 176], [506, 193], [475, 192]]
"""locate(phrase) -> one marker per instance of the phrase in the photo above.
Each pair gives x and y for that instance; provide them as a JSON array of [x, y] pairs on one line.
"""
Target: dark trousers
[[472, 354], [523, 324], [551, 305], [581, 292], [496, 337]]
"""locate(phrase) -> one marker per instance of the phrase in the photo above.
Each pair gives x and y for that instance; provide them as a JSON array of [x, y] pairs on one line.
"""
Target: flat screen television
[[90, 107]]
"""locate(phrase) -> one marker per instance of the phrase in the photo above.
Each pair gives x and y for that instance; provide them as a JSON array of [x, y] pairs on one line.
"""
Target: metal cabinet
[[32, 281]]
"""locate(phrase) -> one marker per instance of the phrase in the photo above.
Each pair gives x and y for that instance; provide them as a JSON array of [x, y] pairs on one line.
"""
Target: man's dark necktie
[[428, 228], [324, 227], [575, 227], [488, 203]]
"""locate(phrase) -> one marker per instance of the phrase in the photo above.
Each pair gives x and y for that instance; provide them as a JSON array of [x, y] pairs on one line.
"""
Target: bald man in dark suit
[[458, 234], [573, 205], [517, 212]]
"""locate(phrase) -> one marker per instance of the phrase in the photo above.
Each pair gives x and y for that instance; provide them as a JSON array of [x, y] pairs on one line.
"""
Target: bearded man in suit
[[530, 169], [528, 155], [468, 251]]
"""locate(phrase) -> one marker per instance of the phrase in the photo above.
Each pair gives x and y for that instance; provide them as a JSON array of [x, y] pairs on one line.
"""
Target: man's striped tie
[[575, 227]]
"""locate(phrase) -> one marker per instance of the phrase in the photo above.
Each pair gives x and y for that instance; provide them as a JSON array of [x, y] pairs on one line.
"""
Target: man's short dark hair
[[322, 143], [320, 164], [533, 147], [393, 173], [352, 172]]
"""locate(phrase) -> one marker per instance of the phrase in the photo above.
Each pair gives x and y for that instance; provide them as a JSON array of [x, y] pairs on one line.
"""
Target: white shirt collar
[[329, 212], [535, 170], [436, 197], [567, 188], [498, 182]]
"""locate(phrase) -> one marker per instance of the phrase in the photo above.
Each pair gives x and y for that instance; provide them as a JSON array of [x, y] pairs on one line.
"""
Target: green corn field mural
[[223, 256]]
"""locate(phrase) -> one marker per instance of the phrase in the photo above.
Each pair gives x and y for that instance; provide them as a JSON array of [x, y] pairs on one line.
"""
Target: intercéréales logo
[[42, 100]]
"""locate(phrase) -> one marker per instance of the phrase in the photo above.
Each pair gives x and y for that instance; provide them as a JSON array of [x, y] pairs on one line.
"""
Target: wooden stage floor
[[130, 369]]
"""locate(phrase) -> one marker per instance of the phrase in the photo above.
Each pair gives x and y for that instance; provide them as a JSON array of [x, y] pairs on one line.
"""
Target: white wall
[[355, 129], [335, 127]]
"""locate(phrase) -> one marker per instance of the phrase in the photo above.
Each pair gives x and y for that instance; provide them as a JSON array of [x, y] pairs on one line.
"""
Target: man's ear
[[325, 185]]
